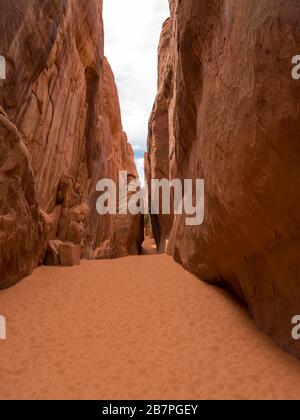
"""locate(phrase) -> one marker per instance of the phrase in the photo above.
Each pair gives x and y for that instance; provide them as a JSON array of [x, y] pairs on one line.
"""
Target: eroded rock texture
[[227, 111], [60, 133]]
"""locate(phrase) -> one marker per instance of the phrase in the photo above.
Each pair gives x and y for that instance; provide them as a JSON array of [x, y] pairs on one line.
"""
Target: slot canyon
[[127, 306]]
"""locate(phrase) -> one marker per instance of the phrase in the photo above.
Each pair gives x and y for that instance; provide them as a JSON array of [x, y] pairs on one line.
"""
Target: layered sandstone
[[60, 133], [227, 111]]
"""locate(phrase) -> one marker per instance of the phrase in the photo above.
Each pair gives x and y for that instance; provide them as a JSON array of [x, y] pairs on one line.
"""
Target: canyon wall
[[227, 111], [60, 133]]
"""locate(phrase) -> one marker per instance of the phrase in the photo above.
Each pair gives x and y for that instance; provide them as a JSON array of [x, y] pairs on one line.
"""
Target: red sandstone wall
[[227, 111], [60, 132]]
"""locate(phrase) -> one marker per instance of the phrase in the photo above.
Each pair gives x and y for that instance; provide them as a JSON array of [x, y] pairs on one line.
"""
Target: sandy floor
[[138, 327]]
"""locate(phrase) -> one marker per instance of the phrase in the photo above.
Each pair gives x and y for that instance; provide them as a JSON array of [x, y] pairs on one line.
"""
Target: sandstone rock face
[[157, 165], [22, 238], [61, 132], [227, 111]]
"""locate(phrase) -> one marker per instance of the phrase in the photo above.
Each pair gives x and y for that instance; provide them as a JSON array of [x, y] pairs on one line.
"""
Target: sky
[[132, 31]]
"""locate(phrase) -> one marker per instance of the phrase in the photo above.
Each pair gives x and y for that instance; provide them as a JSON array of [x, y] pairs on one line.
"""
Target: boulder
[[69, 254]]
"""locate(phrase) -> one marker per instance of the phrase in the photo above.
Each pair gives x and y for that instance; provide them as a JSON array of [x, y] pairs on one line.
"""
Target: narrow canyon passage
[[98, 97], [136, 327]]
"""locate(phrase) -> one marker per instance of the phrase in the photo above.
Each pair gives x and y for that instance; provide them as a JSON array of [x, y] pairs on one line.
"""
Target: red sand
[[134, 328]]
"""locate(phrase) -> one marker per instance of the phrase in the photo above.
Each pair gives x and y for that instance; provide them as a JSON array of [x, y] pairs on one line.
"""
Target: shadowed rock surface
[[60, 133], [227, 110]]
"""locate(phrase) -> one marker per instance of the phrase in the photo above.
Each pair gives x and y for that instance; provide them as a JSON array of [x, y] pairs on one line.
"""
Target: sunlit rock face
[[60, 133], [227, 111]]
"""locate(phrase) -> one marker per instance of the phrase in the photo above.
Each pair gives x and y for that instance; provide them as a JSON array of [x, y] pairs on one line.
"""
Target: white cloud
[[132, 30], [140, 169]]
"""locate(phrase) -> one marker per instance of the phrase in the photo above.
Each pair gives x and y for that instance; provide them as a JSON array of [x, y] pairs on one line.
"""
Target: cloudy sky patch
[[132, 30]]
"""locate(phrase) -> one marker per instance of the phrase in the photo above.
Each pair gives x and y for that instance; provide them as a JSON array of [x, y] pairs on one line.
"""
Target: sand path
[[138, 327]]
